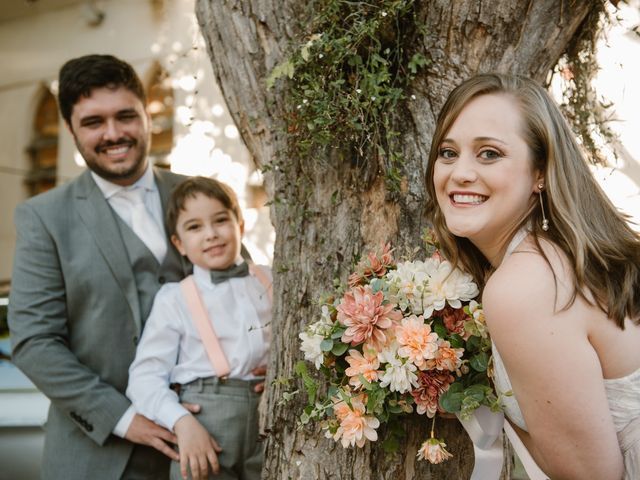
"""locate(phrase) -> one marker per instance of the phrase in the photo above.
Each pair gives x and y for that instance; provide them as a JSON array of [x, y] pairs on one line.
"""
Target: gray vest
[[146, 269]]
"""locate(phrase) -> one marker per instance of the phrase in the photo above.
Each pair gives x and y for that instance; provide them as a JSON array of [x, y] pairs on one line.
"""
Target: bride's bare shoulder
[[529, 278]]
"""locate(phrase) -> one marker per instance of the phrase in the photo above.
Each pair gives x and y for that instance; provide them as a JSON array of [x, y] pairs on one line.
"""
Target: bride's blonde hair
[[603, 250]]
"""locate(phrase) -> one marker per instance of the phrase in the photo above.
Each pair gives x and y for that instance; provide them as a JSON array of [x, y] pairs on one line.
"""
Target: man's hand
[[259, 372], [145, 432], [197, 448]]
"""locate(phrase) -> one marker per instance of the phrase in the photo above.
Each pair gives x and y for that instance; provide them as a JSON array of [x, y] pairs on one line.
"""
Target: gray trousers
[[146, 463], [229, 412]]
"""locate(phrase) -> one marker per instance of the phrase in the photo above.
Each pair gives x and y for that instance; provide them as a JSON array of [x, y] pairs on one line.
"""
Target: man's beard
[[114, 174]]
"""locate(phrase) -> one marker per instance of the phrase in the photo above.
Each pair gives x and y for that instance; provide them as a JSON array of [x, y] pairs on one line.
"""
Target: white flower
[[398, 375], [311, 348], [313, 336], [448, 285], [408, 282], [358, 90], [430, 285]]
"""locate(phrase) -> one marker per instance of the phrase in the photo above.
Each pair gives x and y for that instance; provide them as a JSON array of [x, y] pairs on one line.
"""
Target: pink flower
[[366, 365], [417, 342], [453, 319], [365, 317], [446, 358], [433, 451], [431, 384], [355, 426], [375, 265]]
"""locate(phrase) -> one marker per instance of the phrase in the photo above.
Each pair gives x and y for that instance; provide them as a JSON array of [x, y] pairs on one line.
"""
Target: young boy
[[205, 224]]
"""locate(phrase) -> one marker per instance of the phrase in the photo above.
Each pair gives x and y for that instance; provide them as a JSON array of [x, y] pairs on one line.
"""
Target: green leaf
[[365, 383], [304, 418], [339, 348], [301, 368], [285, 68], [440, 329], [473, 344], [376, 285], [451, 401], [477, 392], [304, 52], [456, 341], [456, 387], [479, 362], [310, 385], [338, 333], [417, 61], [326, 345]]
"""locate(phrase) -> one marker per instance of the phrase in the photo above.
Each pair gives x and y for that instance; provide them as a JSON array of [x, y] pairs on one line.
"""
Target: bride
[[514, 203]]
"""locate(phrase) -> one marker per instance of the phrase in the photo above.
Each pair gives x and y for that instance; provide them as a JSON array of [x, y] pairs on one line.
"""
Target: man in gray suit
[[86, 268]]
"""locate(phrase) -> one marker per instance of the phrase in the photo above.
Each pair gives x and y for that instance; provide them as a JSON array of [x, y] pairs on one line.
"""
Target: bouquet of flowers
[[400, 337]]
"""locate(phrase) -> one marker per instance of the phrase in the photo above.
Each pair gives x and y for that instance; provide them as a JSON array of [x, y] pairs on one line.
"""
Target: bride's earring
[[545, 221]]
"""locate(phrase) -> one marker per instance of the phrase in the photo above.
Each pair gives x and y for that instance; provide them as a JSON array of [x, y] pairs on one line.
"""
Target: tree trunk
[[324, 214]]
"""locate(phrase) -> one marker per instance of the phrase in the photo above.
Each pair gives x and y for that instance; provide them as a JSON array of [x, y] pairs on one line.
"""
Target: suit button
[[89, 428], [135, 340], [162, 279]]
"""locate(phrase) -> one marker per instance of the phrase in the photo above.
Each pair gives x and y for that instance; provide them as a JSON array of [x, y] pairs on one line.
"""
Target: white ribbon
[[485, 430]]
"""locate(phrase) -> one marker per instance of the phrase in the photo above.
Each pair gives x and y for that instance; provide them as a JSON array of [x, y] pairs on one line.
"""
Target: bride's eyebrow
[[489, 139]]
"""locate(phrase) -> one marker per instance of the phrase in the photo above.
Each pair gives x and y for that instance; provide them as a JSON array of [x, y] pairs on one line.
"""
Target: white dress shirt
[[151, 197], [171, 351]]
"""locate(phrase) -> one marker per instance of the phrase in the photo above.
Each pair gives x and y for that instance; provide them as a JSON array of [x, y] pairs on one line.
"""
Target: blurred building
[[192, 134]]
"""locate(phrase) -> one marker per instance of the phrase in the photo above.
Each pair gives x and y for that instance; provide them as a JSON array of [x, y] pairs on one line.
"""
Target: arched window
[[160, 105], [43, 150]]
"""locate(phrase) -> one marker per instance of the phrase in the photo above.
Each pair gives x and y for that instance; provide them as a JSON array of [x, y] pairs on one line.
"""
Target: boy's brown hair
[[209, 187]]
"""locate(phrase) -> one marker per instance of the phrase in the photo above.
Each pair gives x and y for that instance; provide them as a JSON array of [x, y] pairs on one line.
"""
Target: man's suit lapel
[[173, 259], [99, 219], [163, 188]]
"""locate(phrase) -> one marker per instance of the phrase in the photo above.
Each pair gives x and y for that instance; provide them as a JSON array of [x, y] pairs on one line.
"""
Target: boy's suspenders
[[203, 324]]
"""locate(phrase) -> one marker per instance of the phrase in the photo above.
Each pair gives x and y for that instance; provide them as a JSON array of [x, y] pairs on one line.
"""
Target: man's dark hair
[[79, 76], [207, 186]]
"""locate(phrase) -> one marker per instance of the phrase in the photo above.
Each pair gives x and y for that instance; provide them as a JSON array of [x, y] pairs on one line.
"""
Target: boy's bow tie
[[218, 276]]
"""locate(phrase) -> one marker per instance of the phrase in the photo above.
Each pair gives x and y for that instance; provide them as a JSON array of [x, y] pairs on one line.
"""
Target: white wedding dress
[[624, 403]]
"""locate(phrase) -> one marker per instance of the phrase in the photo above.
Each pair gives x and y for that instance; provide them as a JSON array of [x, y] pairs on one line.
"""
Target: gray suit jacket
[[74, 319]]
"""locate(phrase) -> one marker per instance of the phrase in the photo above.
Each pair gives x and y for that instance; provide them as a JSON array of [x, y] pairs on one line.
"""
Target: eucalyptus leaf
[[326, 345], [477, 392], [338, 333], [451, 401], [339, 348], [479, 362]]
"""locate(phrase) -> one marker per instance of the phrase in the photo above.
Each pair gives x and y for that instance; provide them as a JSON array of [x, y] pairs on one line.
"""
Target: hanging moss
[[588, 114], [348, 78]]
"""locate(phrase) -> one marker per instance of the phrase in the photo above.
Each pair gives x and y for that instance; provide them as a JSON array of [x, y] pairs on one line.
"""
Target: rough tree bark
[[324, 218]]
